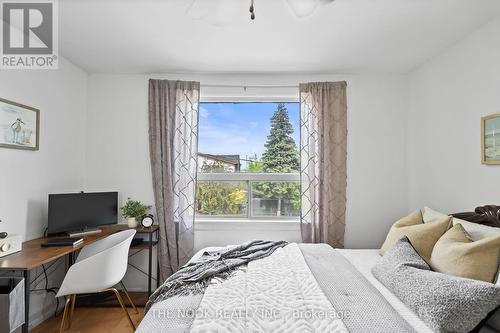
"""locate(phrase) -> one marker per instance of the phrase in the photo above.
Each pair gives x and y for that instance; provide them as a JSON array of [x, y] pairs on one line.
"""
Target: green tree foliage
[[219, 198], [253, 165], [281, 155]]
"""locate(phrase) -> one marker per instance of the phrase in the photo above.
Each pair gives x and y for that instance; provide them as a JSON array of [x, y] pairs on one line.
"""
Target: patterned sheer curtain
[[173, 143], [323, 144]]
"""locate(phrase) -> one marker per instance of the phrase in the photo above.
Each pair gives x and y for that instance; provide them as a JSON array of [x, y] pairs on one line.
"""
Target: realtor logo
[[29, 35]]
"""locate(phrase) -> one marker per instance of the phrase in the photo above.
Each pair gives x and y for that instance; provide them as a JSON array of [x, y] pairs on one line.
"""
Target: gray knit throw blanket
[[194, 277]]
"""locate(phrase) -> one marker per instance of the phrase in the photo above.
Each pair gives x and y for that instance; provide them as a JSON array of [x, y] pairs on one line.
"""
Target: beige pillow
[[422, 236], [457, 254]]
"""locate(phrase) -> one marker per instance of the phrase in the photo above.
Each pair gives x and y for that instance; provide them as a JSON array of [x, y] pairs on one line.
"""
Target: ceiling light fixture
[[252, 10]]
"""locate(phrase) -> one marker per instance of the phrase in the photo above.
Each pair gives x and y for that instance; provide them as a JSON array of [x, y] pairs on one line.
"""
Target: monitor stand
[[84, 231]]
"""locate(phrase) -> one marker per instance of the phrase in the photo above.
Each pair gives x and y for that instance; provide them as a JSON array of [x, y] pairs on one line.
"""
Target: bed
[[299, 288]]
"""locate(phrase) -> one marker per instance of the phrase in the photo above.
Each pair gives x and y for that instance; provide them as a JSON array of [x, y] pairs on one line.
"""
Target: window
[[248, 161]]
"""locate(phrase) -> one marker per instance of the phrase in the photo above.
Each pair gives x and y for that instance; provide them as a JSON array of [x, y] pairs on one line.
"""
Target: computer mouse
[[3, 235]]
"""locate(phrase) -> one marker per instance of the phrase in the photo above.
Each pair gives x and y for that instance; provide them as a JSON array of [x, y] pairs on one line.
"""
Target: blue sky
[[239, 128]]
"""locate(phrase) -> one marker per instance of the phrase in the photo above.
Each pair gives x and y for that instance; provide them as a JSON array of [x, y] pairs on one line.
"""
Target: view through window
[[248, 161]]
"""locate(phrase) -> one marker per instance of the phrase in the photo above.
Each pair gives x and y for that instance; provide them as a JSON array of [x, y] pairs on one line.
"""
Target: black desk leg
[[26, 301], [150, 262], [158, 275], [158, 259]]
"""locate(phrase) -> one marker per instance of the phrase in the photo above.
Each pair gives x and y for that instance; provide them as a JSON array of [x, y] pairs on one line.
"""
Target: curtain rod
[[244, 86]]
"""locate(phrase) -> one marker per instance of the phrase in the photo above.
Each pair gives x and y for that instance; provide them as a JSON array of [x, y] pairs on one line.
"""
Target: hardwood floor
[[93, 320]]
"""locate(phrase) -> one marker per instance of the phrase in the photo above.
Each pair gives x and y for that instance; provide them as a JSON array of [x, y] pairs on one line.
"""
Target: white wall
[[26, 177], [448, 95], [118, 150]]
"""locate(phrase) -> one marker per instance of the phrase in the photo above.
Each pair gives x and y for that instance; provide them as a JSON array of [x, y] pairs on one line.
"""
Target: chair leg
[[73, 301], [120, 300], [128, 297], [65, 313]]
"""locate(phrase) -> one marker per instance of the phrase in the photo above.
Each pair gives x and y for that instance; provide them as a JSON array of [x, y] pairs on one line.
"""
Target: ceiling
[[347, 36]]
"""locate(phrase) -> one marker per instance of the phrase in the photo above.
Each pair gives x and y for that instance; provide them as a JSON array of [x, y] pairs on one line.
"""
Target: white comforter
[[274, 294]]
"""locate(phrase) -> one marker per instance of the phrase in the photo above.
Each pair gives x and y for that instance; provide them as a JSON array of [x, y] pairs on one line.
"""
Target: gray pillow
[[445, 303]]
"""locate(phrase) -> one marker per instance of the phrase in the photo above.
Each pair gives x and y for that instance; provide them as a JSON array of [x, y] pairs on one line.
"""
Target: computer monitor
[[81, 211]]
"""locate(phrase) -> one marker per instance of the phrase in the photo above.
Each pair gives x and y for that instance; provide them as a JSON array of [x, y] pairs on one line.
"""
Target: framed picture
[[490, 139], [19, 126]]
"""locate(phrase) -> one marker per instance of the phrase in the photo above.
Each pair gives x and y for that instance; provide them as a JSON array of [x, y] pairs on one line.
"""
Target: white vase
[[132, 222]]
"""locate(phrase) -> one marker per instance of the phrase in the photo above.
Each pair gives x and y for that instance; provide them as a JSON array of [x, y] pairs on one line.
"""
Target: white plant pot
[[132, 222]]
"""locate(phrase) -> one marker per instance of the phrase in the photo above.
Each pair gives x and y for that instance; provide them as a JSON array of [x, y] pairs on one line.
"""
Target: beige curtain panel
[[173, 144], [323, 153]]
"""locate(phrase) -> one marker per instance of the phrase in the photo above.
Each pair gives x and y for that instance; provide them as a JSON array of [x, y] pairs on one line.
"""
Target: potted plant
[[133, 210]]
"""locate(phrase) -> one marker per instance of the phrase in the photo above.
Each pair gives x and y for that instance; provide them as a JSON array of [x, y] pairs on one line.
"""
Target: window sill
[[246, 224]]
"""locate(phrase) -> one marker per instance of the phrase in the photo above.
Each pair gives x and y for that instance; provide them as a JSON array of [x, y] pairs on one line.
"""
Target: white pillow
[[430, 214], [475, 230]]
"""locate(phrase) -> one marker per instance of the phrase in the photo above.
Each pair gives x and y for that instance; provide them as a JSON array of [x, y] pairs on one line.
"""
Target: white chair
[[98, 268]]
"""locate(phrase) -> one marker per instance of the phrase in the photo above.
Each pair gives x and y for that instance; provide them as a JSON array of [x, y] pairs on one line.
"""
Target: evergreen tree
[[281, 155]]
